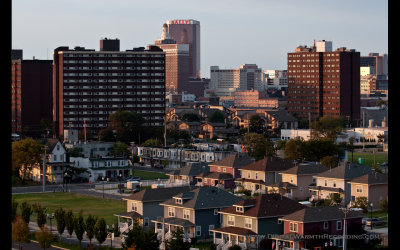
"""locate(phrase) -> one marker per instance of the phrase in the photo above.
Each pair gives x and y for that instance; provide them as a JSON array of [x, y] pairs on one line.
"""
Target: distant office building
[[31, 95], [379, 62], [254, 99], [188, 32], [90, 85], [177, 61], [324, 83], [197, 86], [276, 79]]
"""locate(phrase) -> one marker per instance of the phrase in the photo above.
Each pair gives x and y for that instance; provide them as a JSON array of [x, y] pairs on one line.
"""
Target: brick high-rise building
[[89, 85], [324, 83], [177, 62], [31, 95], [188, 32]]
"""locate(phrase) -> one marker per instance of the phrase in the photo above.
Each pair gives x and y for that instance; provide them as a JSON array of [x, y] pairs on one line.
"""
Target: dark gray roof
[[282, 115], [206, 198], [236, 160], [346, 171], [176, 222], [157, 194], [193, 169], [306, 169], [316, 214], [372, 178]]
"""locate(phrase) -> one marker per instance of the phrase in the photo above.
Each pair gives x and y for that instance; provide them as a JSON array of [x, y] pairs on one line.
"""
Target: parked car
[[364, 220], [375, 222], [158, 166], [133, 178]]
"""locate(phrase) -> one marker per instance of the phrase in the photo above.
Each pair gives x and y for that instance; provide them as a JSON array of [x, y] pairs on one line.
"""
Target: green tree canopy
[[258, 146], [26, 211], [25, 153], [176, 242], [217, 117], [327, 127], [69, 222], [126, 124], [90, 223], [100, 230], [152, 142], [20, 231], [40, 214], [107, 135], [59, 215], [190, 117], [120, 149], [44, 237], [14, 206], [256, 124], [294, 149], [79, 227]]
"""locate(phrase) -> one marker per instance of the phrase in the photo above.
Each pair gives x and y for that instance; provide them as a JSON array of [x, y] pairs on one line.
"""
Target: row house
[[194, 211], [188, 174], [247, 222], [211, 130], [295, 180], [224, 172], [302, 227], [337, 181], [144, 206], [260, 174], [280, 119], [373, 186]]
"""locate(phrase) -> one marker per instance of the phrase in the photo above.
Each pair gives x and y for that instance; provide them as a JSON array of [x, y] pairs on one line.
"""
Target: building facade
[[324, 83], [90, 85]]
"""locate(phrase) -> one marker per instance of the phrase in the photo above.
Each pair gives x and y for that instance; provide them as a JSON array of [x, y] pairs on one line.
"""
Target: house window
[[55, 157], [247, 223], [216, 211], [326, 225], [186, 214], [239, 209], [198, 230], [279, 221], [359, 189], [146, 222], [256, 176], [334, 183], [248, 175], [314, 180], [219, 169], [293, 227], [210, 227], [326, 183], [134, 206], [224, 170], [58, 147], [55, 168], [231, 220], [301, 189], [179, 201], [339, 225], [171, 212]]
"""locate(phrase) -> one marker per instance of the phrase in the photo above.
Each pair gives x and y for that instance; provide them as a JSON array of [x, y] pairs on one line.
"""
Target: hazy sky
[[233, 32]]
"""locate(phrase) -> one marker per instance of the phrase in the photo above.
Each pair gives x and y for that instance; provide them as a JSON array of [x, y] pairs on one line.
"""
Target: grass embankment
[[99, 207], [368, 158]]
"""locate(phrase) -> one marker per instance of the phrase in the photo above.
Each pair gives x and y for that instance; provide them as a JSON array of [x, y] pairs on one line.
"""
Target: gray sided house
[[195, 211], [145, 207]]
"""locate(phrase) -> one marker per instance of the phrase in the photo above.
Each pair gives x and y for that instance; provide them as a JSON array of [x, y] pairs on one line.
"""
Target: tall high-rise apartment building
[[324, 83], [176, 62], [187, 32], [90, 85], [31, 95], [376, 61]]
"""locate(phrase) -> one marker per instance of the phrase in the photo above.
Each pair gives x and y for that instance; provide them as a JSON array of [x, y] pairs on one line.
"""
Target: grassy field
[[149, 175], [99, 207], [369, 157]]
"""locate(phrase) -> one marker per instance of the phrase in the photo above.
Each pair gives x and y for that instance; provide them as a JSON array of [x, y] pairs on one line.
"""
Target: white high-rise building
[[324, 46]]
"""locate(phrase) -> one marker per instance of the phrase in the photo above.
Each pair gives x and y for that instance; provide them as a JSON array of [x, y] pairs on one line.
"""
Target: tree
[[69, 222], [294, 149], [25, 154], [335, 198], [100, 230], [141, 239], [190, 117], [40, 214], [44, 237], [90, 223], [120, 149], [46, 126], [75, 152], [327, 127], [234, 247], [132, 235], [106, 135], [217, 117], [330, 161], [151, 142], [176, 242], [126, 125], [79, 227], [258, 146], [14, 206], [362, 202], [384, 205], [256, 124], [316, 149], [20, 231], [26, 211], [59, 215]]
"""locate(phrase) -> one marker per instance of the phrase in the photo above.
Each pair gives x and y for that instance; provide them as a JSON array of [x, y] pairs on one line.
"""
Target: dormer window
[[239, 209], [219, 169], [178, 201]]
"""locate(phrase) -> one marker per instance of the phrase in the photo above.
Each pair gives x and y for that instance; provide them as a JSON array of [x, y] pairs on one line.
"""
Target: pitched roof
[[266, 205], [346, 171], [285, 185], [157, 194], [235, 230], [372, 178], [306, 169], [236, 160], [193, 169], [270, 164], [316, 214], [218, 176], [282, 115], [205, 198], [50, 143]]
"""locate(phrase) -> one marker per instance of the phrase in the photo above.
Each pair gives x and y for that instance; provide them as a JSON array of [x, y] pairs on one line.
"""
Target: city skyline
[[233, 33]]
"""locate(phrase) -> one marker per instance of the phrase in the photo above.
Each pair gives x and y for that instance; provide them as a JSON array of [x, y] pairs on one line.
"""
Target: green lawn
[[369, 157], [99, 207], [149, 175]]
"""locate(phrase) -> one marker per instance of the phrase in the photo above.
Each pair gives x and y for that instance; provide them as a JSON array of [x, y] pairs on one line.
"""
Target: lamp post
[[371, 214], [65, 179], [50, 216], [120, 178], [102, 178]]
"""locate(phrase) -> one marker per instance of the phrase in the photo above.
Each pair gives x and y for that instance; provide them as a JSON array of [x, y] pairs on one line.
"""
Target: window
[[198, 230], [186, 214], [293, 227], [279, 221], [146, 222], [239, 209], [247, 223], [224, 170], [326, 225], [359, 189], [216, 211], [231, 220], [171, 212], [134, 206], [210, 227], [291, 179], [179, 201], [326, 183], [339, 225], [334, 183]]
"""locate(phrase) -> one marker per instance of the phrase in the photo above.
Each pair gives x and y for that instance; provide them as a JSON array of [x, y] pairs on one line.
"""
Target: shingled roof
[[346, 171], [282, 115], [270, 164], [205, 198], [306, 169], [266, 205], [157, 194], [372, 178], [194, 169], [317, 214], [236, 160]]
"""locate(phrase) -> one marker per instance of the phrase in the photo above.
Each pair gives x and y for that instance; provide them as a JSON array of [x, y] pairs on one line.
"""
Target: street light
[[50, 216], [371, 214], [65, 180], [120, 178]]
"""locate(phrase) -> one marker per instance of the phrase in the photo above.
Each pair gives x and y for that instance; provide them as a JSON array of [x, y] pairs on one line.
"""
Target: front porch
[[165, 227], [126, 224], [229, 236], [282, 188], [288, 241]]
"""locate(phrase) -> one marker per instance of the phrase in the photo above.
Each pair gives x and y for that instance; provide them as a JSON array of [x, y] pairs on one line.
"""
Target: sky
[[232, 32]]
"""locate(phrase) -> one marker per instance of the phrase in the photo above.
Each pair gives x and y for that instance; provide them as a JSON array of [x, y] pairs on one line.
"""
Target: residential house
[[337, 181], [260, 174], [211, 130], [187, 174], [246, 222], [144, 206], [242, 120], [373, 186], [280, 119], [192, 128], [194, 211], [295, 180], [224, 172], [302, 227]]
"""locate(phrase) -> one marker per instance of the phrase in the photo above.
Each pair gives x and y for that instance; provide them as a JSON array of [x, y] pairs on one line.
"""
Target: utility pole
[[44, 169], [363, 132], [345, 211]]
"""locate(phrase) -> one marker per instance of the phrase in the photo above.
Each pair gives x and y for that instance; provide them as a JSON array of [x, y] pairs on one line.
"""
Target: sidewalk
[[116, 243]]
